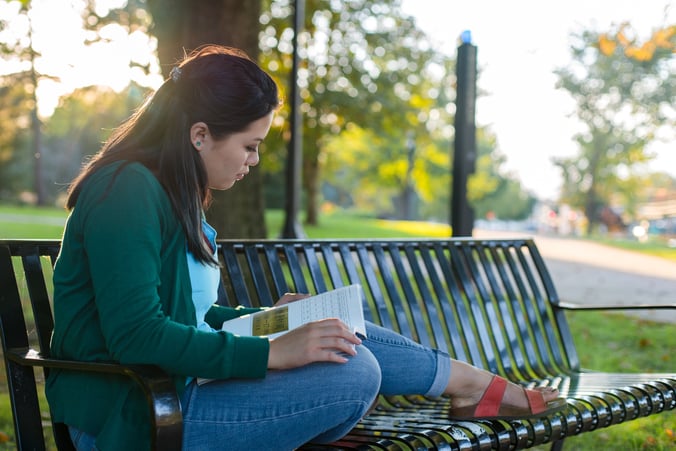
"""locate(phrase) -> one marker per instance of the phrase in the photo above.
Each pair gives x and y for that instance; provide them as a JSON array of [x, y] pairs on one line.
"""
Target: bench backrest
[[489, 302]]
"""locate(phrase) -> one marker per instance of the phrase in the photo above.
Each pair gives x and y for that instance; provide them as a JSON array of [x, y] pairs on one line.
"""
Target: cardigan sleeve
[[136, 255], [217, 314]]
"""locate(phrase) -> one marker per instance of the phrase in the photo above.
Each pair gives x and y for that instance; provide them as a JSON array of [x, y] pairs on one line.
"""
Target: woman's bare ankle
[[468, 383]]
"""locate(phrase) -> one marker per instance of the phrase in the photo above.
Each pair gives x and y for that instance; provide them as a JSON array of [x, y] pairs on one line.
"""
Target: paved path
[[586, 272]]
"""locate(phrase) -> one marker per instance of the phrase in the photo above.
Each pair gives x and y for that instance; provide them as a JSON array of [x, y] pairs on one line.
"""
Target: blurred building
[[657, 217]]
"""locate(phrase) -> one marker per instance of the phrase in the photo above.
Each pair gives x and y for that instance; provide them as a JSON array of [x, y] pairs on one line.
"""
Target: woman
[[136, 281]]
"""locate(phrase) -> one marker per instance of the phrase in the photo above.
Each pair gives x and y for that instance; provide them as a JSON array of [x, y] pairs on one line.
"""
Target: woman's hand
[[318, 341], [290, 297]]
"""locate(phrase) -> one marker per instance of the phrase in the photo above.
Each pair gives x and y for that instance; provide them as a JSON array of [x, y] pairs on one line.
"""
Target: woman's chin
[[223, 185]]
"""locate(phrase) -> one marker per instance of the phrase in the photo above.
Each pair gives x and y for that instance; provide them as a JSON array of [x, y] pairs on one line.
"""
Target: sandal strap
[[536, 401], [490, 402]]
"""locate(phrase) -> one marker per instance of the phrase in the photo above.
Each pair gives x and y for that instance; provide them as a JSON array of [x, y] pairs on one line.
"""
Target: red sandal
[[490, 405]]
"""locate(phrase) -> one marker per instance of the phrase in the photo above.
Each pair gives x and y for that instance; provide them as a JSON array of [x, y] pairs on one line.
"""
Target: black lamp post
[[464, 155], [294, 162]]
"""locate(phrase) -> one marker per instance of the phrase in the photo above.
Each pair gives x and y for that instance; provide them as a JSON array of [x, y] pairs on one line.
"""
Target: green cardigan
[[122, 293]]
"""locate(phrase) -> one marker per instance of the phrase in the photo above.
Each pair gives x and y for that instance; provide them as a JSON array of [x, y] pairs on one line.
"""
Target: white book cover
[[344, 303]]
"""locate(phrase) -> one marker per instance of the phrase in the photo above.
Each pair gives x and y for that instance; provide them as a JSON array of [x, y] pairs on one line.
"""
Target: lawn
[[31, 222], [607, 342]]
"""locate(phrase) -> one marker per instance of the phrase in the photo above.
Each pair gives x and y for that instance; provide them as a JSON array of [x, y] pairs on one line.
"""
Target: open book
[[344, 303]]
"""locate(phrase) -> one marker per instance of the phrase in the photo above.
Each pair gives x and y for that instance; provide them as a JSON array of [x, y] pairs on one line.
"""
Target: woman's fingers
[[327, 340], [290, 297]]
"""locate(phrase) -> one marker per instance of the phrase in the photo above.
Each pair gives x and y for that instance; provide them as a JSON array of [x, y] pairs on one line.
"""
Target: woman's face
[[228, 160]]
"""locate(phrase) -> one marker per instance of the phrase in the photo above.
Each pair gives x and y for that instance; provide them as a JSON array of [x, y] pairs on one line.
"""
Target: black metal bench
[[488, 302]]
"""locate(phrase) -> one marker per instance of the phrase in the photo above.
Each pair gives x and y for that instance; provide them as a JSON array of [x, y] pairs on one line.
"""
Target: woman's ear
[[199, 133]]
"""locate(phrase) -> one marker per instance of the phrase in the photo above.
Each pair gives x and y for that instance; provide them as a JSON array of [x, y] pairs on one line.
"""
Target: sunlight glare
[[66, 63]]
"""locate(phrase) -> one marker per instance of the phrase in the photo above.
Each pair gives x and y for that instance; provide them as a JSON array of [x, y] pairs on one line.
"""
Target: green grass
[[341, 225], [38, 213], [31, 222], [609, 342]]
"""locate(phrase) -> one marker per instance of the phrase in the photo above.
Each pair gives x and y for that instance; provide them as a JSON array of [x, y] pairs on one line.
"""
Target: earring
[[198, 143]]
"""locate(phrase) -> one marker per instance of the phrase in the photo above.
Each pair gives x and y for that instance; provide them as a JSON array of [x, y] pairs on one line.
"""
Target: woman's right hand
[[318, 341]]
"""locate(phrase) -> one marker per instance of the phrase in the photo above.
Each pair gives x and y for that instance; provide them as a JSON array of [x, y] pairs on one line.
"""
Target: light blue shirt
[[204, 279]]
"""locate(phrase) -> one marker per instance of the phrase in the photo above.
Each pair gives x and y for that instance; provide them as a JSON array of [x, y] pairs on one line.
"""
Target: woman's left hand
[[291, 297]]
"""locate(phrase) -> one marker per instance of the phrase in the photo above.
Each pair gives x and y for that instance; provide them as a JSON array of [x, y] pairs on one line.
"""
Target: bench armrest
[[642, 306], [158, 387]]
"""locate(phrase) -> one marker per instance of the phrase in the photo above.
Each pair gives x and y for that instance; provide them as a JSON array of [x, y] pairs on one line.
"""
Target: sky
[[58, 36], [519, 43]]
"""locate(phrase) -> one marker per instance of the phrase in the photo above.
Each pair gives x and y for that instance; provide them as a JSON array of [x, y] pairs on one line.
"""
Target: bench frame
[[489, 302]]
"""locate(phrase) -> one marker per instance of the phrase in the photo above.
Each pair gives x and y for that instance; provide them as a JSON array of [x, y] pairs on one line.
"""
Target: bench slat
[[565, 356]]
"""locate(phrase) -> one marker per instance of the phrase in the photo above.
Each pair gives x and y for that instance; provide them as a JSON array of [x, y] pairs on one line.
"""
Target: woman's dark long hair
[[217, 85]]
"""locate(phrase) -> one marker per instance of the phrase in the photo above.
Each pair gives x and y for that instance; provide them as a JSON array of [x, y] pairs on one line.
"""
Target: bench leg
[[62, 437], [557, 445]]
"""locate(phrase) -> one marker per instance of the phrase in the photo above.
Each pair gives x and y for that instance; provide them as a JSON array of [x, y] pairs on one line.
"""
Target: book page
[[344, 303]]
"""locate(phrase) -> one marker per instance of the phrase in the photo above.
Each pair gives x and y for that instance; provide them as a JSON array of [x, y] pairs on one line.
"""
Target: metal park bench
[[489, 302]]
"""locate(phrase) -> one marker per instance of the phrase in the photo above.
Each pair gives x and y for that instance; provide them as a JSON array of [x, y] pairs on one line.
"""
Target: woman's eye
[[252, 148]]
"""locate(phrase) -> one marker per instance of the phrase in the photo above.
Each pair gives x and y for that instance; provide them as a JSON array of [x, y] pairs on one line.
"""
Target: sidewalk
[[586, 272]]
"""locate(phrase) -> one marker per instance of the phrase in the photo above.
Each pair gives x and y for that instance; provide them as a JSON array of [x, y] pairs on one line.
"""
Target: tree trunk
[[590, 210], [36, 131], [182, 25], [591, 205], [311, 177]]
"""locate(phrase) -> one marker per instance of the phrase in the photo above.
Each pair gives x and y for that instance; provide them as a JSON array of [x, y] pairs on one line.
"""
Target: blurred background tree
[[625, 92], [21, 104], [377, 106]]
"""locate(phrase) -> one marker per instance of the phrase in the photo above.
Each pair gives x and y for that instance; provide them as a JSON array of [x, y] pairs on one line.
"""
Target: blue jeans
[[81, 440], [320, 402]]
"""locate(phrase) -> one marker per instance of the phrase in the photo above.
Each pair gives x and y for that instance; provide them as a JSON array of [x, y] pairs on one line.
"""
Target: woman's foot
[[477, 393]]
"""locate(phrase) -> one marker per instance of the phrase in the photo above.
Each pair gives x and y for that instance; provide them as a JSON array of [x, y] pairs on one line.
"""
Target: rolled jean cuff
[[442, 375]]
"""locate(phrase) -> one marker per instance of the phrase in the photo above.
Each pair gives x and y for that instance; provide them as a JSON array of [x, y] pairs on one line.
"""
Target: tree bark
[[311, 170], [183, 25], [592, 203]]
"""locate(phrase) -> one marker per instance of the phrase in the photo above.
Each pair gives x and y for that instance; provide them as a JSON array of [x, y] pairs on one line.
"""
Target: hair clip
[[175, 74]]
